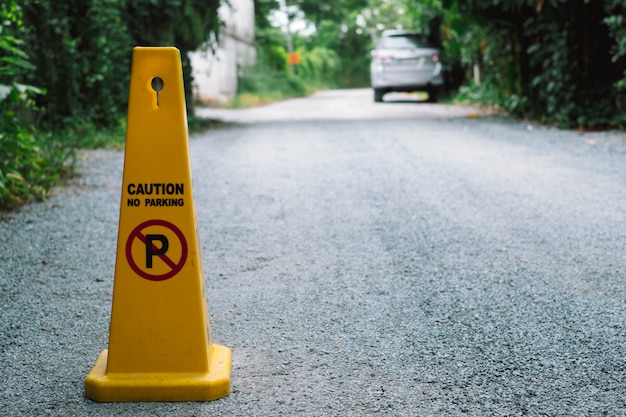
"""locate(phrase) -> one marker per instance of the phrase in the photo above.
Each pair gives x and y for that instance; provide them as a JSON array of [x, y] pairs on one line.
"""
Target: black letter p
[[152, 250]]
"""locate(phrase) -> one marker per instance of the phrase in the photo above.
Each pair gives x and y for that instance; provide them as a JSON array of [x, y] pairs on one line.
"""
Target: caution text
[[156, 189]]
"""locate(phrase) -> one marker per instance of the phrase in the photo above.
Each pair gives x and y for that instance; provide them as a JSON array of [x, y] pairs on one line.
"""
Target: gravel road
[[389, 259]]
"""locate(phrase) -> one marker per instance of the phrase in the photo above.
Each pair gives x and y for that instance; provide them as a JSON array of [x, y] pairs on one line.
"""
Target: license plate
[[414, 62]]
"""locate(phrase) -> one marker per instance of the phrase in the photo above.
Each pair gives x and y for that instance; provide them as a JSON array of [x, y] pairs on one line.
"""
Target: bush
[[563, 65], [272, 78], [30, 162], [81, 50], [260, 85]]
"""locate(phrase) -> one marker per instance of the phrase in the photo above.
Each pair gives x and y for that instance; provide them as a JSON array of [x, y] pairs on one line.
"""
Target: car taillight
[[434, 57], [383, 59]]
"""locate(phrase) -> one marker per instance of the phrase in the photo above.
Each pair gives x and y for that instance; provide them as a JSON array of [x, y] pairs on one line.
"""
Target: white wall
[[215, 74]]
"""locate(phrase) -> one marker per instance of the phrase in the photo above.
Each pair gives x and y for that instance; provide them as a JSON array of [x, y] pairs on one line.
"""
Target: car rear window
[[404, 42]]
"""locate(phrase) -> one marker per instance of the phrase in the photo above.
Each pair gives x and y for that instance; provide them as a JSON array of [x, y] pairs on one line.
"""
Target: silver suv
[[405, 61]]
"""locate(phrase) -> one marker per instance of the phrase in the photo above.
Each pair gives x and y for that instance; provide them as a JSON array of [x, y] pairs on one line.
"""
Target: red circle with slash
[[175, 267]]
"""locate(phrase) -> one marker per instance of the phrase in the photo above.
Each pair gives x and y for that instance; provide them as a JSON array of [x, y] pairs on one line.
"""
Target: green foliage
[[319, 65], [87, 135], [559, 64], [401, 15], [351, 45], [262, 10], [615, 21], [271, 52], [82, 50], [82, 53], [338, 11], [486, 94], [30, 163], [272, 78], [260, 85]]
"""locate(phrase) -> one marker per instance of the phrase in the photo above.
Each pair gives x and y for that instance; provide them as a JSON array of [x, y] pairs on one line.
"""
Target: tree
[[29, 164], [186, 24], [338, 11], [338, 28], [82, 50], [541, 59], [81, 53]]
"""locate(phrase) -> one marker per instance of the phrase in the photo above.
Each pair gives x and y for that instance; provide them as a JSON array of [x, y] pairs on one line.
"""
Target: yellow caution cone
[[160, 346]]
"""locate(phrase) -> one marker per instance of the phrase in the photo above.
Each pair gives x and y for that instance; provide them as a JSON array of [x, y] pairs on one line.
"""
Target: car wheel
[[378, 95]]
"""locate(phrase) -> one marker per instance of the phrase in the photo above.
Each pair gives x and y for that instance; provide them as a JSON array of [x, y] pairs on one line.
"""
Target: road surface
[[361, 259]]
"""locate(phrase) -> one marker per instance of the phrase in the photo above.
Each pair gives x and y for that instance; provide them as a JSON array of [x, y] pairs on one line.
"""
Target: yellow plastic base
[[103, 387]]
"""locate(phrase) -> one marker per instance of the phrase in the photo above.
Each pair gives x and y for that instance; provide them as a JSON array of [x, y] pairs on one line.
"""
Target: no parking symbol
[[156, 250]]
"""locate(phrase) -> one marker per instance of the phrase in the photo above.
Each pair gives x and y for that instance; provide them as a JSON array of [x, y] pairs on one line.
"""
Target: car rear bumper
[[406, 80]]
